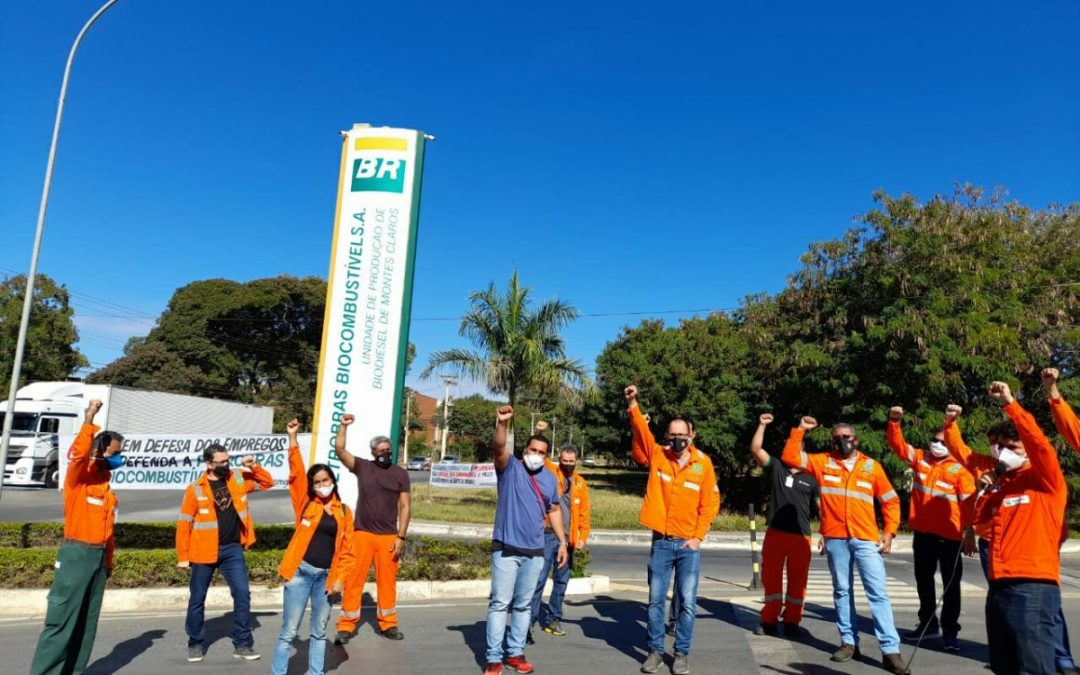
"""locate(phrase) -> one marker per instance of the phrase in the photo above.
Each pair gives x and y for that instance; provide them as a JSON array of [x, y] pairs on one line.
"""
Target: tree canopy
[[50, 353]]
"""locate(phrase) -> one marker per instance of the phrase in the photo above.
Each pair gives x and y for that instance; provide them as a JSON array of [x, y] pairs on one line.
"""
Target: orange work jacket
[[847, 497], [577, 530], [89, 503], [197, 527], [1026, 509], [308, 513], [976, 464], [941, 489], [1066, 422], [680, 501]]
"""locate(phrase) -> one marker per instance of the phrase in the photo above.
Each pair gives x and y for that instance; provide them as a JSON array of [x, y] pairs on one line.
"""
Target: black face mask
[[844, 446], [383, 460], [679, 445], [567, 469], [221, 472]]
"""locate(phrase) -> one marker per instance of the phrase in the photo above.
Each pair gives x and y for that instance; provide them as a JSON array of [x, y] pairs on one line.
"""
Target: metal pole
[[756, 582], [20, 343], [408, 414], [446, 414]]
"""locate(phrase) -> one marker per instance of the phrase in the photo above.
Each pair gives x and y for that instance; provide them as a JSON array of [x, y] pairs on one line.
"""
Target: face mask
[[845, 446], [1010, 460], [995, 451], [533, 462], [938, 450], [221, 471], [324, 491], [383, 460], [679, 445], [114, 462], [567, 468]]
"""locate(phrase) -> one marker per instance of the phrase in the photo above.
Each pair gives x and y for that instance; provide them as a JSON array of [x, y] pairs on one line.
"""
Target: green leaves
[[50, 354]]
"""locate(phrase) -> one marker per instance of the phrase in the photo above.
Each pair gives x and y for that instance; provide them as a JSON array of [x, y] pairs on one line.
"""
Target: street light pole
[[20, 343]]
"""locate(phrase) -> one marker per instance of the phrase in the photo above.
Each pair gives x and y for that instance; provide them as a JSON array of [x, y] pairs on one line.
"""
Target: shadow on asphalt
[[123, 653], [621, 624], [475, 637]]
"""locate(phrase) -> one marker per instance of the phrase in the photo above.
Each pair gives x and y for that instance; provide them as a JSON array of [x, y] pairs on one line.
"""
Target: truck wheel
[[52, 476]]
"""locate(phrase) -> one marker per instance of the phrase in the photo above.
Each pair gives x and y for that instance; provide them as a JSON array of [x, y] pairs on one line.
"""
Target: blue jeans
[[667, 556], [309, 583], [1021, 627], [560, 578], [233, 569], [1062, 651], [844, 556], [513, 581]]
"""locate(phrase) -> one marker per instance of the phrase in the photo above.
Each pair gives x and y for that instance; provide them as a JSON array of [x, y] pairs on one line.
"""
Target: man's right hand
[[807, 423], [765, 419], [292, 428], [503, 414], [185, 565], [952, 411], [1050, 376], [895, 413], [631, 395], [93, 408], [346, 420]]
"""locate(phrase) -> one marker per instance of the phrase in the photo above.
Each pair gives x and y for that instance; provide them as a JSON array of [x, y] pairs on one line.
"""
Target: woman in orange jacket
[[318, 560]]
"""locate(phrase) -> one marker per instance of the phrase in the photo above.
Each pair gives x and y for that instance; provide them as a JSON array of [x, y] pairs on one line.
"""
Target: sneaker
[[652, 663], [765, 629], [950, 644], [392, 633], [195, 654], [894, 664], [845, 653], [246, 653], [933, 631], [555, 628], [519, 664], [681, 666], [794, 631], [342, 637], [493, 669]]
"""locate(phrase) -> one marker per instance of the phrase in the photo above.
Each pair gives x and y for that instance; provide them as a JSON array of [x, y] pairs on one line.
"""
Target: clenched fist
[[631, 394], [346, 420], [765, 419], [952, 411], [503, 414], [807, 423], [1000, 392], [895, 413], [292, 427], [1050, 376], [248, 461]]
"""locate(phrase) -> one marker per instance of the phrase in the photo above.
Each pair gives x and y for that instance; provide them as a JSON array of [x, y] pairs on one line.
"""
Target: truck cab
[[33, 455]]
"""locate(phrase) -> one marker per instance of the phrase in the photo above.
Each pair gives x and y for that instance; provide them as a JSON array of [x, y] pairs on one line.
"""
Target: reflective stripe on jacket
[[197, 527], [680, 501], [847, 497], [89, 502], [941, 489]]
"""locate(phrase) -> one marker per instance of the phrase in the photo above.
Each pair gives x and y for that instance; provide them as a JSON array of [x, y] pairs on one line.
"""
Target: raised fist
[[504, 413], [94, 406], [764, 419], [648, 418], [541, 427], [346, 420], [292, 427], [630, 393], [1050, 376], [1000, 392], [807, 423], [895, 413], [952, 411], [248, 461]]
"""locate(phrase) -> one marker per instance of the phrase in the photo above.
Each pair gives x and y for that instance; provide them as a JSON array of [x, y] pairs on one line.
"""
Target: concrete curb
[[32, 602], [715, 541]]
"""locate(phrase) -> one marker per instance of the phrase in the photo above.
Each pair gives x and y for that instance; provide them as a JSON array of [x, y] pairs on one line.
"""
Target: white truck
[[43, 410]]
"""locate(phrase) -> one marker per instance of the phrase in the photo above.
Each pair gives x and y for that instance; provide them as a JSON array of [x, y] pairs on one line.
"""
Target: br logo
[[378, 174]]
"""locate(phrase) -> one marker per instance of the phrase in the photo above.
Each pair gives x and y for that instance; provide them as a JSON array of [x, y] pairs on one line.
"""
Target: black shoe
[[765, 629], [670, 630], [393, 633], [932, 632], [950, 644], [793, 631], [529, 638], [342, 637], [845, 654]]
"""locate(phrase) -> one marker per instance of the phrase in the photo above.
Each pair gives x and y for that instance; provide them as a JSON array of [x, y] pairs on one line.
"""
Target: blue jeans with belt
[[844, 556], [672, 555], [233, 568]]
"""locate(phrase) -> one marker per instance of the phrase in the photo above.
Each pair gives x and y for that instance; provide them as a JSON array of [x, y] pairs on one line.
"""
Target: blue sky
[[626, 157]]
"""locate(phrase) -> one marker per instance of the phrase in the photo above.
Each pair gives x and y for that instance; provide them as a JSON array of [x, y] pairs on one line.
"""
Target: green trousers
[[72, 616]]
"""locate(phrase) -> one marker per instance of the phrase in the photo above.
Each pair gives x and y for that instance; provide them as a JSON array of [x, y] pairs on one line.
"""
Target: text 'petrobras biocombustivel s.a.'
[[369, 295]]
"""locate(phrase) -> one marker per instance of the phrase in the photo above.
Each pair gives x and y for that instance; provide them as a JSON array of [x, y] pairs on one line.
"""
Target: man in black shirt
[[787, 538]]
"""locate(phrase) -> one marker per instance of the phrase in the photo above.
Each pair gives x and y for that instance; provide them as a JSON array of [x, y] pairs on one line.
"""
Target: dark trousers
[[933, 554], [234, 570], [71, 619], [1022, 627]]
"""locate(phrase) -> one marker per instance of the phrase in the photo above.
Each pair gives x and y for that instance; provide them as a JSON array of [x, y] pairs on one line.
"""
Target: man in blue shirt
[[528, 495]]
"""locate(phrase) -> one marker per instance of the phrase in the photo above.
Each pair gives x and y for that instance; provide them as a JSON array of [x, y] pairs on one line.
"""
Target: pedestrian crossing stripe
[[902, 593]]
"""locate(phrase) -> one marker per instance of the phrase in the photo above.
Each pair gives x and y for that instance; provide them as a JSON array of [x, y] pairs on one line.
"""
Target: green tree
[[517, 347], [51, 335]]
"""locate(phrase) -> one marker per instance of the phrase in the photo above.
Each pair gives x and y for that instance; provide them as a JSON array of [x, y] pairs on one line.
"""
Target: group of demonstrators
[[1008, 507]]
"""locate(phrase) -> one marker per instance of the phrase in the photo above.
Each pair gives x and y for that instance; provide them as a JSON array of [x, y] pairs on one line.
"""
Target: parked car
[[590, 462], [419, 464], [450, 459]]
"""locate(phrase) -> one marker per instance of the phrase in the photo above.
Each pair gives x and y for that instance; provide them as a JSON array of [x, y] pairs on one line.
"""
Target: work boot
[[681, 666], [793, 631], [894, 664], [392, 633], [342, 637], [652, 663], [765, 629], [845, 654]]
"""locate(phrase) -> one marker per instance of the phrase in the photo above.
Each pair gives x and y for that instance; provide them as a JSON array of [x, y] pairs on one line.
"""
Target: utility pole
[[448, 380]]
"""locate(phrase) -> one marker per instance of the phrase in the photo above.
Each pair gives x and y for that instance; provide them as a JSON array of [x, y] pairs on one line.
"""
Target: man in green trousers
[[86, 555]]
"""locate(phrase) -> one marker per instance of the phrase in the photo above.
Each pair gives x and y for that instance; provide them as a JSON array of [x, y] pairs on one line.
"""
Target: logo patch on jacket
[[697, 468], [868, 465], [954, 468]]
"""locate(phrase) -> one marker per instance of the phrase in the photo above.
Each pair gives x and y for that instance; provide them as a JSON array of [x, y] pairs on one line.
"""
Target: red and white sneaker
[[519, 664], [493, 669]]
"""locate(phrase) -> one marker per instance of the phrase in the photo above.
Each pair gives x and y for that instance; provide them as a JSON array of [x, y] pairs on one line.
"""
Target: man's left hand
[[397, 548], [693, 544], [885, 543], [562, 556], [248, 461]]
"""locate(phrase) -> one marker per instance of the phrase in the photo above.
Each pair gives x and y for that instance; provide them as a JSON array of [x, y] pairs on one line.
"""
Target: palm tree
[[517, 348]]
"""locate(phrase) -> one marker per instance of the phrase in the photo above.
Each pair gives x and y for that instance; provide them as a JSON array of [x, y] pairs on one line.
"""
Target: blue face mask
[[114, 462]]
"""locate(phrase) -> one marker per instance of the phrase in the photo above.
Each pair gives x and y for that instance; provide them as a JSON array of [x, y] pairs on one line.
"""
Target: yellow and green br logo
[[374, 170]]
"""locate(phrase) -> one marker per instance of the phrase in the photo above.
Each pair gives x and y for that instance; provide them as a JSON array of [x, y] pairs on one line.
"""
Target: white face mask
[[995, 451], [938, 450], [533, 461], [1011, 460], [324, 491]]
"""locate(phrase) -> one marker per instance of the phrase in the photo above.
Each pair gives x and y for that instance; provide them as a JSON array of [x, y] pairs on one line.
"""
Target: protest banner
[[369, 294], [174, 461], [463, 475]]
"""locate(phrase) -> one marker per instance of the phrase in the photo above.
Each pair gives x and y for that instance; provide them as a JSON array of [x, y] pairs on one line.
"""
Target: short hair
[[844, 425], [685, 419], [106, 438], [211, 450], [569, 448], [1005, 431], [379, 440], [543, 439]]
